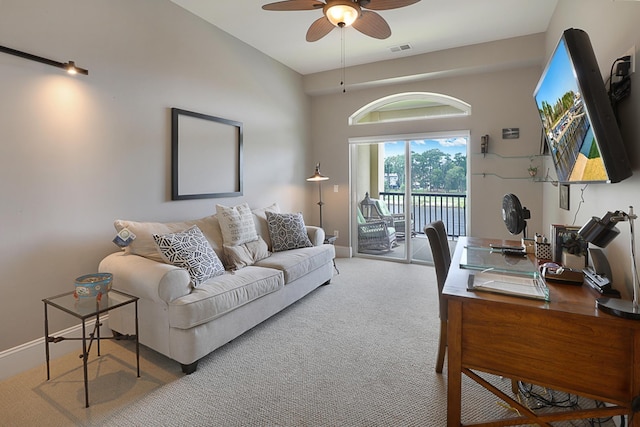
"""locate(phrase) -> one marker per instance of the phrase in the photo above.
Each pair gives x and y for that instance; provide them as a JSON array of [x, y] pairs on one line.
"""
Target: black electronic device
[[514, 252], [514, 215], [498, 247], [598, 273], [556, 273], [577, 117]]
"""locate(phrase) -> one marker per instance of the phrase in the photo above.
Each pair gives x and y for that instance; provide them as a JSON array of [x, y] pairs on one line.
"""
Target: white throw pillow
[[190, 250], [240, 256], [260, 218], [236, 224], [145, 246]]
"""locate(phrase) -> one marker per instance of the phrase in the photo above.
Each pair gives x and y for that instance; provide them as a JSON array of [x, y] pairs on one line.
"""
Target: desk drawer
[[564, 351]]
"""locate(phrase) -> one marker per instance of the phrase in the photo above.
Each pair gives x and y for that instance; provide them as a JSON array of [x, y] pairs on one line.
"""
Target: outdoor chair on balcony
[[375, 237], [377, 209]]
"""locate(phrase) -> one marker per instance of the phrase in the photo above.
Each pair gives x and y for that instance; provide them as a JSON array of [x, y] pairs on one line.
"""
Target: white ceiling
[[427, 26]]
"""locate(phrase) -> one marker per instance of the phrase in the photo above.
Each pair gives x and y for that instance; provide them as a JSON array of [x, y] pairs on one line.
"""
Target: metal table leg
[[85, 356], [46, 339], [97, 329], [137, 341]]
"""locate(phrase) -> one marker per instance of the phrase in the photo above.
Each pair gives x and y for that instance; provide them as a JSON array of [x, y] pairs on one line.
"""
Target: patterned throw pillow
[[287, 231], [236, 224], [190, 250]]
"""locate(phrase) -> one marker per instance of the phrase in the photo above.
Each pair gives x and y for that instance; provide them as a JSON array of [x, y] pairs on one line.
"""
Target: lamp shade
[[342, 13], [317, 176], [598, 231], [601, 232]]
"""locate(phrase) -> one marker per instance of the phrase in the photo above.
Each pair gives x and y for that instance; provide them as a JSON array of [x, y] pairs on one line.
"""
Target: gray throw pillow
[[287, 231], [190, 250]]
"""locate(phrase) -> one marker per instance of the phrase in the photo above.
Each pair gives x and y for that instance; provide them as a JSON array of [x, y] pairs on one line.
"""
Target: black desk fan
[[514, 215]]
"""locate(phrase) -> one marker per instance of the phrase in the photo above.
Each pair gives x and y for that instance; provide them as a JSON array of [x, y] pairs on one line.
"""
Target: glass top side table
[[83, 309]]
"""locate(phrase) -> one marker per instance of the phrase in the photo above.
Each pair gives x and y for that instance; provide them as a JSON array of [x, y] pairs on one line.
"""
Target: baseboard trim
[[343, 252], [31, 355]]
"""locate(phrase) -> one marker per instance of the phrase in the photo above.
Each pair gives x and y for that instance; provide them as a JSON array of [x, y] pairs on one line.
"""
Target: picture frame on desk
[[567, 247]]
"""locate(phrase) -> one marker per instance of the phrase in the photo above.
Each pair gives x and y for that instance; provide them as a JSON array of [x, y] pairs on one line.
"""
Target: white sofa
[[184, 322]]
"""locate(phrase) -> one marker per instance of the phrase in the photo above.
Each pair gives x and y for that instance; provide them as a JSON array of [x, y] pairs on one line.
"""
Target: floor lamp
[[318, 177], [601, 232]]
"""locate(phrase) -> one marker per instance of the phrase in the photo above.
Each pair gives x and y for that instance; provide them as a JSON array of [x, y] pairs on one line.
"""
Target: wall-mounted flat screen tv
[[578, 121]]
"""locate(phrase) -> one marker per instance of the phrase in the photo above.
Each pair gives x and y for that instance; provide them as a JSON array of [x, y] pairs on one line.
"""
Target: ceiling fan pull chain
[[342, 60]]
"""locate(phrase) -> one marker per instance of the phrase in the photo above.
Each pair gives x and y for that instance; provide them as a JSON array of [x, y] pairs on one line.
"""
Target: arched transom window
[[410, 106]]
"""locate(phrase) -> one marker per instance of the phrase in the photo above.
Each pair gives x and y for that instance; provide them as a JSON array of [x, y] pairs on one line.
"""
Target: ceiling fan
[[343, 13]]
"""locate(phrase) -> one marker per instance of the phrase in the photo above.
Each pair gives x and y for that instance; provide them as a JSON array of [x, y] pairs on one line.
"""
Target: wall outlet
[[632, 53], [335, 188], [336, 233]]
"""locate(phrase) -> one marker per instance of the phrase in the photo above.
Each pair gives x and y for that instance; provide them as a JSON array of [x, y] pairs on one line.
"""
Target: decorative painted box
[[93, 285]]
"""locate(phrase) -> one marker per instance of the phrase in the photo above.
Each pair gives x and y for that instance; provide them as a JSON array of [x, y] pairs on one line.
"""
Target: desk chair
[[438, 241], [437, 235]]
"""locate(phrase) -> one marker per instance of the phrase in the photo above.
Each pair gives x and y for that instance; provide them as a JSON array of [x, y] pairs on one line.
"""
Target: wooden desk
[[565, 344]]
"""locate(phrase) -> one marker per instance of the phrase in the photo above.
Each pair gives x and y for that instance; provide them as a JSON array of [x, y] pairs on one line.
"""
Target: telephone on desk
[[555, 273], [597, 275]]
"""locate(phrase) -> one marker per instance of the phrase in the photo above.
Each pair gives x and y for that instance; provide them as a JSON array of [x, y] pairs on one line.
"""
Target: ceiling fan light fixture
[[342, 13]]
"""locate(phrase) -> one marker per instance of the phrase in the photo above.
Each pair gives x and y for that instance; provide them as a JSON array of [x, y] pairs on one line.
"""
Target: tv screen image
[[579, 124]]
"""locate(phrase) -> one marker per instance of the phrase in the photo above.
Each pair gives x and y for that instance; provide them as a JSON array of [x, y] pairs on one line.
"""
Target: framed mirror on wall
[[206, 156]]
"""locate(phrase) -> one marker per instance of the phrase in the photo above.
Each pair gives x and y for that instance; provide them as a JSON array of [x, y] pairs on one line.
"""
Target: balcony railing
[[427, 207]]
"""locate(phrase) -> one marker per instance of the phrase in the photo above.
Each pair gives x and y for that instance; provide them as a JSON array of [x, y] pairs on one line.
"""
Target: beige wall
[[76, 153], [500, 95], [613, 29]]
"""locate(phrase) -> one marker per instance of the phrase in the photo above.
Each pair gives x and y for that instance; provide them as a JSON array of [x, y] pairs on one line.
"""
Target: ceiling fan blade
[[294, 5], [320, 28], [386, 4], [372, 25]]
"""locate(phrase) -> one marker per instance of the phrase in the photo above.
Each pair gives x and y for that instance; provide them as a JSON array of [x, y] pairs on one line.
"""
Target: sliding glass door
[[401, 184], [380, 228]]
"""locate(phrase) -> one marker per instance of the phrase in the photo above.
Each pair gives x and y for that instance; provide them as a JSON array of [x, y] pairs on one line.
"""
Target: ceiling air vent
[[400, 48]]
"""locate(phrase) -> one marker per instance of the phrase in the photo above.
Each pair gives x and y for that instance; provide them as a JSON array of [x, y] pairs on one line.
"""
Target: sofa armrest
[[146, 278], [316, 235]]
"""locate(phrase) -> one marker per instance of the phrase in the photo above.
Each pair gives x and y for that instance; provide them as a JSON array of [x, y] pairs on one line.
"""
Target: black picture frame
[[563, 196], [206, 156], [510, 133]]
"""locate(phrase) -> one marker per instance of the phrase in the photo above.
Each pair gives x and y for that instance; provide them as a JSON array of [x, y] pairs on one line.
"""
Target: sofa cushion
[[287, 231], [145, 246], [296, 263], [236, 223], [236, 257], [190, 250], [222, 294]]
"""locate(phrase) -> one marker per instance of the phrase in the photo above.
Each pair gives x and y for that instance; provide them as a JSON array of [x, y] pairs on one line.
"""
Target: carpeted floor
[[358, 352]]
